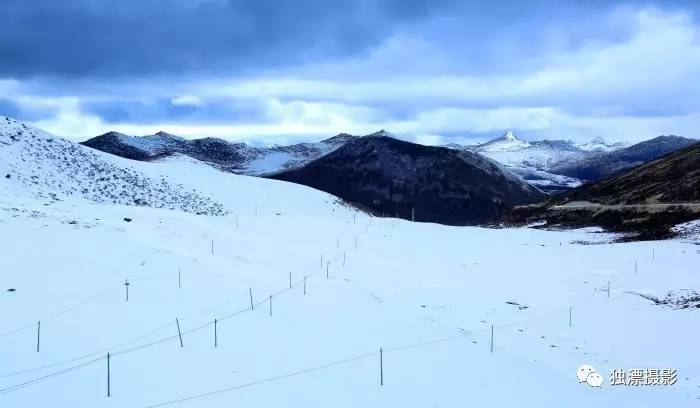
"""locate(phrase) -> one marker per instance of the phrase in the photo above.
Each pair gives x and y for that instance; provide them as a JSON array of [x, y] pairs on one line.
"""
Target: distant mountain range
[[559, 165], [453, 184], [674, 178], [648, 199], [226, 156], [599, 165]]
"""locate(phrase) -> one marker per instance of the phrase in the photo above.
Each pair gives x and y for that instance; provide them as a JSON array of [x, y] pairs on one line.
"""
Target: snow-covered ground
[[426, 294]]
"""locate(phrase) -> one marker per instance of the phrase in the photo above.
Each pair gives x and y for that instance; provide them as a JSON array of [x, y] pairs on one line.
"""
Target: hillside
[[648, 199], [37, 164], [674, 178], [431, 184]]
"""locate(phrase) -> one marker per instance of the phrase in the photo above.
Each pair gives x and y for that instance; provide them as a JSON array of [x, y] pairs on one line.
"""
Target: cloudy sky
[[277, 71]]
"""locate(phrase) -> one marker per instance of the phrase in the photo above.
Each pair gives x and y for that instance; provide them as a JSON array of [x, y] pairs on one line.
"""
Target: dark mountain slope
[[390, 176], [674, 178], [648, 199], [113, 143], [605, 164]]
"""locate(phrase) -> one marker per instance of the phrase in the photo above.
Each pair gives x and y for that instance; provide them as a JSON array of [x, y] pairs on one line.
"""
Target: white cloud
[[187, 100], [639, 86]]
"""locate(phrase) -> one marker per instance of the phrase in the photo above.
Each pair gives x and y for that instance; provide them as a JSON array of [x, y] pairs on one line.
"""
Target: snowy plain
[[426, 294]]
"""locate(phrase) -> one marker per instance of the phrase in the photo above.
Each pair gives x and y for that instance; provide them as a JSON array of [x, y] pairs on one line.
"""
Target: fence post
[[109, 391], [381, 366], [179, 334], [635, 266], [608, 289], [126, 285], [212, 247], [492, 338], [290, 280], [216, 339], [327, 263], [343, 258], [270, 305], [38, 335], [251, 298], [413, 214], [304, 285]]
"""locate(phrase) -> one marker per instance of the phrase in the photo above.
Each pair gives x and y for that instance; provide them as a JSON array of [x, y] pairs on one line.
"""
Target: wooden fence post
[[270, 305], [216, 339], [179, 334], [381, 366], [38, 335], [251, 298], [492, 338], [109, 385]]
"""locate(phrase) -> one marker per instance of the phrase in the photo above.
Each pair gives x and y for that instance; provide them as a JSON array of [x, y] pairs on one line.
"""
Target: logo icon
[[588, 374]]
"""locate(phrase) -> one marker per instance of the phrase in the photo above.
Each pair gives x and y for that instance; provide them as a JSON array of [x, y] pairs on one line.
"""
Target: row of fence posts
[[252, 307]]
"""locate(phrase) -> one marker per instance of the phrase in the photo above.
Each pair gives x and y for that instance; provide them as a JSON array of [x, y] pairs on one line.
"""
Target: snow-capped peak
[[507, 142], [598, 143], [381, 133]]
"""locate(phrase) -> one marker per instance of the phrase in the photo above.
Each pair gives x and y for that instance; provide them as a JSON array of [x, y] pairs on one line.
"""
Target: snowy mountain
[[533, 160], [559, 165], [599, 144], [601, 164], [506, 143], [292, 299], [35, 163], [412, 181], [232, 157], [648, 200]]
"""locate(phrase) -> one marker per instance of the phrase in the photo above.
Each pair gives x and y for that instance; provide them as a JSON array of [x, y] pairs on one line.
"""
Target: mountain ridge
[[393, 177]]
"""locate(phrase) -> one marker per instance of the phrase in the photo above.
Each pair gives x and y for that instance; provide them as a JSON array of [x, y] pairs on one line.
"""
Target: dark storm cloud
[[142, 37], [160, 109]]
